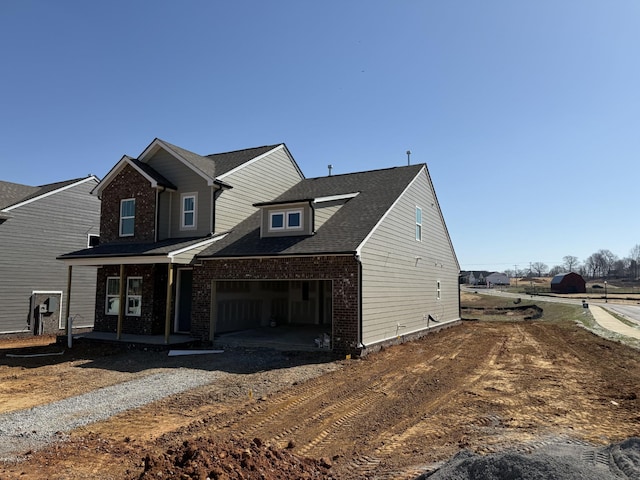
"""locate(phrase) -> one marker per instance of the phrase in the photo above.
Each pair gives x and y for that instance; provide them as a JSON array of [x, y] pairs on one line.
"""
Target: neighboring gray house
[[37, 224], [208, 245], [497, 278]]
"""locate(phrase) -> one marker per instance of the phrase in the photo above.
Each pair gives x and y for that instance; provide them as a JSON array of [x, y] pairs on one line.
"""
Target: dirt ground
[[482, 386]]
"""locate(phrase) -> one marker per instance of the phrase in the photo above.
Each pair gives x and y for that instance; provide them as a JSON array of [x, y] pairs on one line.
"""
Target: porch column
[[67, 310], [167, 313], [121, 306]]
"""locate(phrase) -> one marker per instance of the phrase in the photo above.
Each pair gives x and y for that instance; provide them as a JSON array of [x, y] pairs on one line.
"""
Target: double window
[[127, 217], [286, 220], [133, 296], [438, 290], [188, 215]]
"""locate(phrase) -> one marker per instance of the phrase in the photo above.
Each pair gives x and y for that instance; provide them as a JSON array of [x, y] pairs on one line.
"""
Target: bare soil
[[482, 386]]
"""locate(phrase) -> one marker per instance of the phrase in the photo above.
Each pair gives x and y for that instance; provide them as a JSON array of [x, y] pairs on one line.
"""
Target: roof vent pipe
[[330, 167], [408, 157]]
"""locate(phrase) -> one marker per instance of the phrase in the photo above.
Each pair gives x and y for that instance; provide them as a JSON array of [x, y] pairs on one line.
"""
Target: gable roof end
[[154, 178], [46, 190]]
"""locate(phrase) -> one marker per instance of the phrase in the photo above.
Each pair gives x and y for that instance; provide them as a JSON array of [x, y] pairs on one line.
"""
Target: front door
[[183, 307]]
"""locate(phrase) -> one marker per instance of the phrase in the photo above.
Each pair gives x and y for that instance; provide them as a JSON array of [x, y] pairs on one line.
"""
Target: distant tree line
[[601, 264]]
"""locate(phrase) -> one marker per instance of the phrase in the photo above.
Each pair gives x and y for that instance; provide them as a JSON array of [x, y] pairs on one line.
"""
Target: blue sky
[[526, 113]]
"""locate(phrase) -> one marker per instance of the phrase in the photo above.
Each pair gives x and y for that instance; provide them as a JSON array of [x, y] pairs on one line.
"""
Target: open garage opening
[[294, 314]]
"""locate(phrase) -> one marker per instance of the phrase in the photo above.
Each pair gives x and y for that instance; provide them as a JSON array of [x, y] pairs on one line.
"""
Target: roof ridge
[[244, 149], [398, 167]]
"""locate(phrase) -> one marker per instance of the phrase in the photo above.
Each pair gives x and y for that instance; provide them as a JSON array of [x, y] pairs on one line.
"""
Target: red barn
[[568, 283]]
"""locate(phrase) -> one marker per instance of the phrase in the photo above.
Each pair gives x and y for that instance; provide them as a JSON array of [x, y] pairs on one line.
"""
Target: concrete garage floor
[[282, 337]]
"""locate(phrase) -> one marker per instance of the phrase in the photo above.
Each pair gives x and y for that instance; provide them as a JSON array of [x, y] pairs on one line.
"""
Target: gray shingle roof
[[12, 193], [218, 164], [226, 162], [162, 181], [119, 249], [342, 233]]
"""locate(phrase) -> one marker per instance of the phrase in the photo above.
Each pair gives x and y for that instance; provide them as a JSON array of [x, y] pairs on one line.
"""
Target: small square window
[[277, 221], [293, 219]]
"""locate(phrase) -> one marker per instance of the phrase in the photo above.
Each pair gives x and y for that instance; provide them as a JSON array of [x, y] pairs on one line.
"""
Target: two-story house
[[241, 240], [38, 223], [158, 211]]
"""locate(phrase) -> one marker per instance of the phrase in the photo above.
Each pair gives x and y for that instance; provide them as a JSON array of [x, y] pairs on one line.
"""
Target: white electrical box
[[42, 308]]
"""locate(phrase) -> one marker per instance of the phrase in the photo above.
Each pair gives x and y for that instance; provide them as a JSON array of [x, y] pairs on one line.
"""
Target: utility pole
[[515, 273]]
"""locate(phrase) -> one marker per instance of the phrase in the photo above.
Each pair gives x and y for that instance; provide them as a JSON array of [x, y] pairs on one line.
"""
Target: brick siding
[[128, 184], [343, 271], [152, 315]]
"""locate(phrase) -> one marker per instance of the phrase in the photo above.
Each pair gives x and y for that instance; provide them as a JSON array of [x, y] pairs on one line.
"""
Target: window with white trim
[[127, 216], [285, 220], [188, 216], [134, 296], [438, 290], [93, 240], [418, 224], [112, 305]]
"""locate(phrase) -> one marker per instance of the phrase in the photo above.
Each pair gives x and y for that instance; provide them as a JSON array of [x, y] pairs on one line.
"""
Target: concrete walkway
[[608, 321]]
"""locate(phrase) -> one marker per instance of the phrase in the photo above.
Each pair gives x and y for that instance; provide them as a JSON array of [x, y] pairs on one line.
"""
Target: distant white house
[[497, 278]]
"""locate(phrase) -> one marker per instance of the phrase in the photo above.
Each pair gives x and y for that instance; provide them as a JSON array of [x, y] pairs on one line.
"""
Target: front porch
[[155, 342]]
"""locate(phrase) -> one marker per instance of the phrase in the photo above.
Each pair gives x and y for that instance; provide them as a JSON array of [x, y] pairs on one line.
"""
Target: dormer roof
[[368, 197]]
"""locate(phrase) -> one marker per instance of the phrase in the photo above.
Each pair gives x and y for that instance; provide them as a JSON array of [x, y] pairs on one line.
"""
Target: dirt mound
[[236, 459], [617, 461]]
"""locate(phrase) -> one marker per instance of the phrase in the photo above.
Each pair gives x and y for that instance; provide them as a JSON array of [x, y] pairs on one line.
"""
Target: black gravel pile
[[614, 462]]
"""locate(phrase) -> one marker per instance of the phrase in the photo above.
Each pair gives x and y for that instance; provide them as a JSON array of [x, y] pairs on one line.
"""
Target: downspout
[[359, 343], [157, 221], [313, 217]]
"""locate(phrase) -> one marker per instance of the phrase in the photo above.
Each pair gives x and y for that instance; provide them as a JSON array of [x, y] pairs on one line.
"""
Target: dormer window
[[127, 217], [285, 220], [188, 211]]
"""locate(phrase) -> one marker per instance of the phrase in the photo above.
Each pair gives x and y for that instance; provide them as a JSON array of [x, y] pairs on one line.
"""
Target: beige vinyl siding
[[187, 181], [187, 256], [259, 181], [400, 274], [324, 211], [31, 240]]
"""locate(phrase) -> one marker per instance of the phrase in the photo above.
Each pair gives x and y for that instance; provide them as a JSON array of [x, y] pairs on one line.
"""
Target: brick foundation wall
[[343, 271], [152, 315], [128, 184]]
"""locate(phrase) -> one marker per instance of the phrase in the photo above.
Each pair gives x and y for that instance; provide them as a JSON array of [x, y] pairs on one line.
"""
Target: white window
[[127, 217], [276, 220], [113, 296], [133, 300], [134, 296], [286, 220], [188, 216], [418, 224], [294, 219], [438, 290]]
